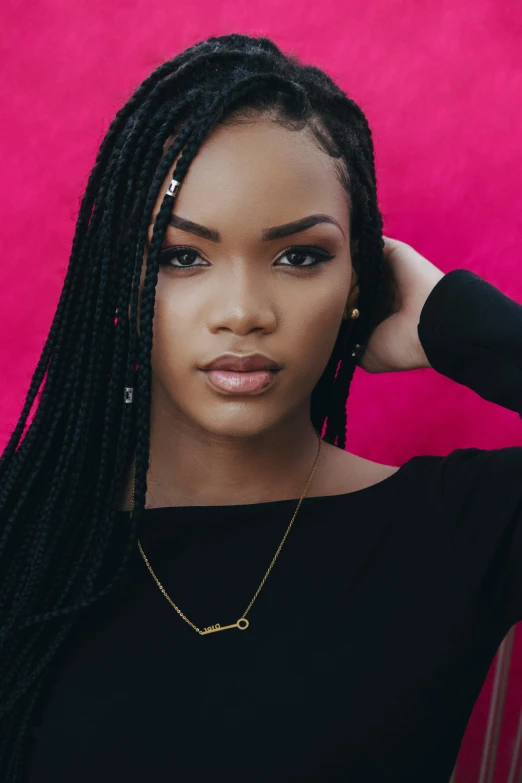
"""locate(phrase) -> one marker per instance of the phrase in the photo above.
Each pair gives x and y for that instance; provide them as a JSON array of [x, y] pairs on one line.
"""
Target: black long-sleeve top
[[370, 641]]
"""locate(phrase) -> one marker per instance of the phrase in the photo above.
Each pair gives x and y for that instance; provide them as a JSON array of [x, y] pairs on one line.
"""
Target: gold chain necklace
[[242, 623]]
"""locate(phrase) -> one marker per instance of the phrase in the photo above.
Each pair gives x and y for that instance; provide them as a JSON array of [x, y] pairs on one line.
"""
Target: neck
[[189, 466]]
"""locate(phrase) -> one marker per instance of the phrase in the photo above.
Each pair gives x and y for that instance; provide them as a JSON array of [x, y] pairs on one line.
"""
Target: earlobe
[[353, 296]]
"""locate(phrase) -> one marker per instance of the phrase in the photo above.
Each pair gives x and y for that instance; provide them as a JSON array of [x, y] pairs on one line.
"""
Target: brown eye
[[183, 254], [297, 255], [300, 252]]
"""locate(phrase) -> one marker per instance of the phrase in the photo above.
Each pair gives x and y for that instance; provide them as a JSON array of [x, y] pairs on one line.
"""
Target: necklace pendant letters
[[242, 624]]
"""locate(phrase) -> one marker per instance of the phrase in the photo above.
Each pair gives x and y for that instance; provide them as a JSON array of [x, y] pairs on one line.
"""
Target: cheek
[[304, 340], [315, 340], [172, 341]]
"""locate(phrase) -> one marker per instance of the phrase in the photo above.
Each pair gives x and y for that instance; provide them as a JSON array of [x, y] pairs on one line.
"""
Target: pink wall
[[441, 85]]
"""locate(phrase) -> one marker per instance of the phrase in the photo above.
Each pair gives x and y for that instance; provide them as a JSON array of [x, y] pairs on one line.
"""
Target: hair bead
[[172, 188]]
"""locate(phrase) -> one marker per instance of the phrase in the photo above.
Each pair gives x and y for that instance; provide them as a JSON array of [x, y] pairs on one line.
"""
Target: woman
[[227, 275]]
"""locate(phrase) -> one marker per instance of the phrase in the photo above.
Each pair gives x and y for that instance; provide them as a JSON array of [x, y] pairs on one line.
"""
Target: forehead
[[258, 173]]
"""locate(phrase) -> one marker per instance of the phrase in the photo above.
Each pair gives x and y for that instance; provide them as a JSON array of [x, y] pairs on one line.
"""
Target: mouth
[[235, 382]]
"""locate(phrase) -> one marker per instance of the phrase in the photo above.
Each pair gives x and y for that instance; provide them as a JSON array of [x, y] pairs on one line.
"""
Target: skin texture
[[243, 295]]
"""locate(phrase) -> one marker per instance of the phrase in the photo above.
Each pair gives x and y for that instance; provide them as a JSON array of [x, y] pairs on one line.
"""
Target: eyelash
[[318, 254]]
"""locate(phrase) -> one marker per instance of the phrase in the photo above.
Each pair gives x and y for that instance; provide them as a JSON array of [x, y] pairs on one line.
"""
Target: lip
[[232, 382], [244, 364]]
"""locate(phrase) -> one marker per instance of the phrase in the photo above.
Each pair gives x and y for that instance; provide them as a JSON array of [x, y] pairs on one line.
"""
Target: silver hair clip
[[172, 188], [127, 395]]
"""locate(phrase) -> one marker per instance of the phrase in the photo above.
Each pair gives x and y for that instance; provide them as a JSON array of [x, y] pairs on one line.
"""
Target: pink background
[[441, 85]]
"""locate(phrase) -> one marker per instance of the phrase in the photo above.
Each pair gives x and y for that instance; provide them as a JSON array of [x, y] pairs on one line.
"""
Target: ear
[[352, 296]]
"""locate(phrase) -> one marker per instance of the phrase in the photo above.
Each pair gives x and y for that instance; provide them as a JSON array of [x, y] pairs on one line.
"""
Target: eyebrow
[[268, 234]]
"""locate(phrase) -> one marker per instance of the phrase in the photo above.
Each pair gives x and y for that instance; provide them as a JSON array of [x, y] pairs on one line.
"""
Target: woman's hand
[[394, 344]]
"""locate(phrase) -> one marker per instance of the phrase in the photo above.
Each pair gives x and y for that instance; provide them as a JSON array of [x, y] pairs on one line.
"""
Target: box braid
[[61, 476]]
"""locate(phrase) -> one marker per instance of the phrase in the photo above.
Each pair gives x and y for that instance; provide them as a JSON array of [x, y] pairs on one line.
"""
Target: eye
[[185, 255], [296, 252]]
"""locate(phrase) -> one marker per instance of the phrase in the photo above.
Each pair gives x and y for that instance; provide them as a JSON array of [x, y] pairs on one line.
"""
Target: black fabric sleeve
[[472, 333]]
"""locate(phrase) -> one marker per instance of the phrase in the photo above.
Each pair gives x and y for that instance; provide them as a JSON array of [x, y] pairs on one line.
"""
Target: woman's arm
[[472, 333]]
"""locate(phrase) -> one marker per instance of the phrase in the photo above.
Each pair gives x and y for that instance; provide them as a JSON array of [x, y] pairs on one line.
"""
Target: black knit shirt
[[368, 644]]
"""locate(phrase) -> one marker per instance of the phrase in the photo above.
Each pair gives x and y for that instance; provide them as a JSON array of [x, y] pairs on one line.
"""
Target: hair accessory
[[127, 394], [172, 188], [242, 623]]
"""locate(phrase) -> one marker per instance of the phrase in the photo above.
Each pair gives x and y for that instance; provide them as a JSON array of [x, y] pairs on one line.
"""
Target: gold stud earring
[[354, 313]]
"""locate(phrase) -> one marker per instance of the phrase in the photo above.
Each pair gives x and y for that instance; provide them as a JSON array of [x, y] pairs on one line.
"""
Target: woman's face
[[234, 290]]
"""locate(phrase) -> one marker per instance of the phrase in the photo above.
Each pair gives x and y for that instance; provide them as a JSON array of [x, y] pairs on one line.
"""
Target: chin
[[241, 425]]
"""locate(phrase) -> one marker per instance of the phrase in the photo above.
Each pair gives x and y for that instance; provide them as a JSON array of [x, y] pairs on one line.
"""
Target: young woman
[[198, 581]]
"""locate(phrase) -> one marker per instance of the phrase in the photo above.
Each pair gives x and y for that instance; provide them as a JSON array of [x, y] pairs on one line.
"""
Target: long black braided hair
[[61, 476]]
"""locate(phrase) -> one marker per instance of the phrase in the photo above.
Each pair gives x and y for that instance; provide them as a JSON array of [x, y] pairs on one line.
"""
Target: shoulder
[[456, 481], [346, 472], [481, 471]]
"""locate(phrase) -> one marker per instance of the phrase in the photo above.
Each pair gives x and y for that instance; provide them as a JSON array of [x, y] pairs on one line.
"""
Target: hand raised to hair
[[394, 344]]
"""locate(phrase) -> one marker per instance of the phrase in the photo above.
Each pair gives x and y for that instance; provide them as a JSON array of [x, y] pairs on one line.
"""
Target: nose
[[242, 304]]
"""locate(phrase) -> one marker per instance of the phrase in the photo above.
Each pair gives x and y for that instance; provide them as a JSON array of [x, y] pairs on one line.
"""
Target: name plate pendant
[[242, 624]]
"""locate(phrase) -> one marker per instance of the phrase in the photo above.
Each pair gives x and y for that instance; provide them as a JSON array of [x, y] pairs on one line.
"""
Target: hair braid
[[75, 454]]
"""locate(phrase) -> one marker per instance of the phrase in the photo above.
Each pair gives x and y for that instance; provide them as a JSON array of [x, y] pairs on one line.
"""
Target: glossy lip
[[242, 363], [240, 383]]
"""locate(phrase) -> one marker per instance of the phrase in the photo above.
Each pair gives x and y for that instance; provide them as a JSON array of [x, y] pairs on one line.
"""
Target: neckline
[[276, 505]]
